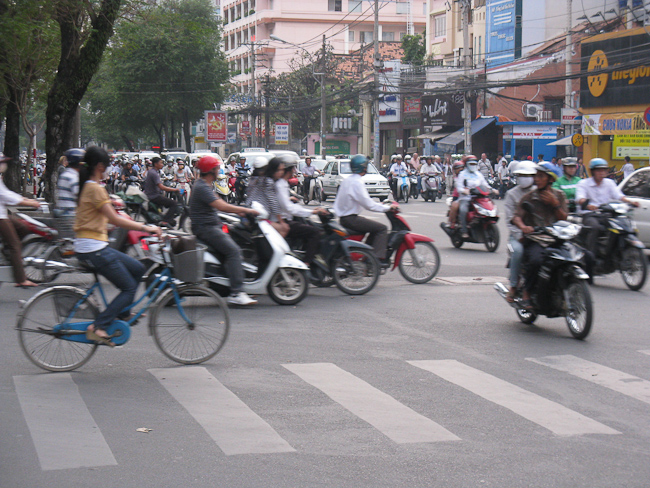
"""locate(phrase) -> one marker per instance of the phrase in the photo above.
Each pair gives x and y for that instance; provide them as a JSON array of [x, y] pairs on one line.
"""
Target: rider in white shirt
[[468, 179]]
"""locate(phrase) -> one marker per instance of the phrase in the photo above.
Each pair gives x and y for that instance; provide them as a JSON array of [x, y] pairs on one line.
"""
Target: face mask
[[472, 168], [525, 181]]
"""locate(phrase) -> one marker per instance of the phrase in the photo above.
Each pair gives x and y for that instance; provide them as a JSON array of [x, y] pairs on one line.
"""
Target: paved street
[[409, 386]]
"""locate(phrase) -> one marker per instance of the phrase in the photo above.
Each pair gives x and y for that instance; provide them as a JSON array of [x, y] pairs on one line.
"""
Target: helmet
[[259, 162], [598, 163], [358, 163], [74, 156], [469, 157], [458, 165], [398, 156], [525, 168], [546, 167], [569, 162], [407, 157], [207, 163]]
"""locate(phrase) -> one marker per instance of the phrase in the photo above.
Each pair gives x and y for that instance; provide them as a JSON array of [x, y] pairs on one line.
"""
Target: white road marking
[[624, 383], [393, 419], [550, 415], [234, 427], [645, 352], [64, 432]]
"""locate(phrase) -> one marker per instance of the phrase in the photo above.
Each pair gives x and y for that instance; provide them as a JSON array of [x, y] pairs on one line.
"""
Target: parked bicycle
[[188, 321]]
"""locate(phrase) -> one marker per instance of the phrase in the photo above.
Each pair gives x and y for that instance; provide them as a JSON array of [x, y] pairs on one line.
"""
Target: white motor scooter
[[269, 265]]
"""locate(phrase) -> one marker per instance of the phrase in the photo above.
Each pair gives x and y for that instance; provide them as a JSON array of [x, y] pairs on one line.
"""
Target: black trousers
[[309, 235], [595, 228], [162, 201], [533, 259], [378, 237]]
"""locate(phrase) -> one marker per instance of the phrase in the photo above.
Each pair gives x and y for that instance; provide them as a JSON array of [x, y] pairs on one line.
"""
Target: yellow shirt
[[90, 223]]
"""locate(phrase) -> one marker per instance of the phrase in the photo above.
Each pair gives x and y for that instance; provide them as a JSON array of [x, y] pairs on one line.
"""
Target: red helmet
[[457, 165], [207, 163], [469, 157]]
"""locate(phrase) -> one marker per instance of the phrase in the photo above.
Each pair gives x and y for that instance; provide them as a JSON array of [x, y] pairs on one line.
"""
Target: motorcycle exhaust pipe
[[501, 289]]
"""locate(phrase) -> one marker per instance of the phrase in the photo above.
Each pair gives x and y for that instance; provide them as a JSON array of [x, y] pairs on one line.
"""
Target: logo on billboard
[[216, 126], [597, 83]]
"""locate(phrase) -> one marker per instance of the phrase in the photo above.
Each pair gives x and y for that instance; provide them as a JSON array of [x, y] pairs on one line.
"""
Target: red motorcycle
[[414, 254], [481, 221]]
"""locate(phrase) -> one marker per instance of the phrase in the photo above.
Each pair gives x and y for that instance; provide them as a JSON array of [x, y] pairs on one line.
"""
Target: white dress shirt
[[353, 197], [7, 197], [628, 169], [606, 192], [289, 209]]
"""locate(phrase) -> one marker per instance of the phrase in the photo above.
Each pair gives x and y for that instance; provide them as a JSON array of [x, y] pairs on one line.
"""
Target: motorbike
[[222, 187], [430, 187], [315, 190], [413, 181], [481, 221], [561, 289], [241, 184], [415, 255], [351, 265], [403, 186], [619, 248], [274, 270]]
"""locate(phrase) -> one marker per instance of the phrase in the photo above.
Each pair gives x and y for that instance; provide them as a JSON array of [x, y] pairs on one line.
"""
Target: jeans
[[378, 237], [419, 187], [517, 249], [462, 212], [224, 246], [121, 270]]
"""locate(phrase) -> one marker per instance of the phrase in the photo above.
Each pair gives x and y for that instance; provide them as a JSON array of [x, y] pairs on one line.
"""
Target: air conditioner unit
[[533, 110]]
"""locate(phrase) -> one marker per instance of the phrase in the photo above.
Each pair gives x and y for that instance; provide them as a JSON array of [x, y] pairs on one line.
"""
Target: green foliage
[[414, 49], [164, 64]]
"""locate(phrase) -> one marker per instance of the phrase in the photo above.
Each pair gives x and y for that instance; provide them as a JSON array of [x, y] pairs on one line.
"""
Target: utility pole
[[253, 92], [323, 101], [465, 9], [376, 66], [267, 112], [567, 55]]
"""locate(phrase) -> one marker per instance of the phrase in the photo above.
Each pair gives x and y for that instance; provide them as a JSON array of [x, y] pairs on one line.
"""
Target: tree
[[164, 68], [414, 49]]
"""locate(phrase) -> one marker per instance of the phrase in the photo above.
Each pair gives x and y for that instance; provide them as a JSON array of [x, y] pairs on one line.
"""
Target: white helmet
[[525, 168], [407, 157], [260, 162]]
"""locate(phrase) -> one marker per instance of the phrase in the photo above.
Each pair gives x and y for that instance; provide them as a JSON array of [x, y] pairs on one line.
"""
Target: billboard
[[216, 126], [502, 32], [281, 133], [442, 109]]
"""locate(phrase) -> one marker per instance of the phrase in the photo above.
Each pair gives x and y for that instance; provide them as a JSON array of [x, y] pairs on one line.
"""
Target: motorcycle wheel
[[526, 316], [634, 268], [288, 286], [405, 194], [421, 264], [42, 250], [317, 196], [579, 313], [492, 237], [323, 197], [433, 196], [357, 275]]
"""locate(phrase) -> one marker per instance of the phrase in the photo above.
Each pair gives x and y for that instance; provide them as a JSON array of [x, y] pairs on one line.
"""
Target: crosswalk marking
[[645, 352], [64, 432], [624, 383], [550, 415], [390, 417], [228, 421]]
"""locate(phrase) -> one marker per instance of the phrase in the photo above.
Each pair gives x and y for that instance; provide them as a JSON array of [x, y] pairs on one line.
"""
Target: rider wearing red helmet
[[456, 168], [206, 225]]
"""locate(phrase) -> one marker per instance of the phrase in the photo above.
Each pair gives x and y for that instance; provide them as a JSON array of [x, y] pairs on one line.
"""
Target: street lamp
[[321, 81]]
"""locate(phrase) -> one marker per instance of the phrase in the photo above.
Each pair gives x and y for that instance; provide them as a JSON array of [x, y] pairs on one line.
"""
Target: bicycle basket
[[188, 266]]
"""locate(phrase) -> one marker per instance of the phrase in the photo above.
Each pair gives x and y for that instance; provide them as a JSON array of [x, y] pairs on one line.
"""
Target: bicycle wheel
[[41, 343], [198, 338], [421, 264]]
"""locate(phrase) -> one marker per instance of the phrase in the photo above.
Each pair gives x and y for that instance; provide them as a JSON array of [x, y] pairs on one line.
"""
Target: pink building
[[347, 25]]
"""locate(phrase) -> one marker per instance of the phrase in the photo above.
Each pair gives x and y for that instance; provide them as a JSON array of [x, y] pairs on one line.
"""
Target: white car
[[338, 169], [251, 156], [636, 187]]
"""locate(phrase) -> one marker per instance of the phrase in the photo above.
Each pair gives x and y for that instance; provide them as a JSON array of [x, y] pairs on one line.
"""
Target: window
[[638, 185], [335, 5], [554, 105], [402, 7], [440, 25], [366, 37], [401, 36], [335, 168], [387, 36], [351, 36], [354, 6]]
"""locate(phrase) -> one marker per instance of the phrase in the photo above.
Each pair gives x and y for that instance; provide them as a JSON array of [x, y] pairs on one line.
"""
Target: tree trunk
[[12, 176], [186, 131], [77, 66], [127, 141]]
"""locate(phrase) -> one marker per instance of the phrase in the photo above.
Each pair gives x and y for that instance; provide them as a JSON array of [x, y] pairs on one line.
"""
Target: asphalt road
[[408, 386]]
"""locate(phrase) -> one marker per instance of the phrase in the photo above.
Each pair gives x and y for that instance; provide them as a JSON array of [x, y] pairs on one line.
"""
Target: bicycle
[[189, 322]]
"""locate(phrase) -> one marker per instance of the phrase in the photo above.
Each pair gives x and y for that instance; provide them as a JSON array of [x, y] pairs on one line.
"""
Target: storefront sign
[[570, 116], [634, 146], [216, 126], [577, 140], [534, 132], [442, 110], [334, 147], [503, 31], [246, 126], [614, 124], [615, 76], [411, 105], [281, 133]]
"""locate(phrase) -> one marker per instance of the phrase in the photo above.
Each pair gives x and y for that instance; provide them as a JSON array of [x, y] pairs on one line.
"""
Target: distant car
[[636, 187], [284, 152], [252, 156], [253, 149], [335, 171], [148, 154], [175, 155], [192, 158]]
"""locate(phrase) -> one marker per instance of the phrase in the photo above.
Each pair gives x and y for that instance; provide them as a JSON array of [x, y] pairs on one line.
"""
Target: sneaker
[[241, 298]]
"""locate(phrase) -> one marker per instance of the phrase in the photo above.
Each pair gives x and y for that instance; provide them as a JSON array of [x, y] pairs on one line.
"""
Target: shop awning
[[434, 136], [450, 143], [565, 141]]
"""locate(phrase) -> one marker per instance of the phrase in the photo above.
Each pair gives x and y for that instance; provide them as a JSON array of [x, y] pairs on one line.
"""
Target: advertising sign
[[216, 126], [281, 133], [411, 105], [616, 76], [614, 124], [503, 36], [635, 146], [442, 109], [570, 116], [534, 132], [246, 126]]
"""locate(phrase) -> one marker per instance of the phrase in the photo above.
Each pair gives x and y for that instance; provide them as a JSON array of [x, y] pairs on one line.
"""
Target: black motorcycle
[[619, 248], [561, 289], [241, 184]]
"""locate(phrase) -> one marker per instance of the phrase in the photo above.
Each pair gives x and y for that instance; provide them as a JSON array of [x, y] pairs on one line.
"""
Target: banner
[[216, 126], [246, 126], [281, 133], [614, 124], [634, 146]]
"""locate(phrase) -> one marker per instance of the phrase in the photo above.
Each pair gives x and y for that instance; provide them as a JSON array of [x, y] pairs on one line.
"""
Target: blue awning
[[450, 143]]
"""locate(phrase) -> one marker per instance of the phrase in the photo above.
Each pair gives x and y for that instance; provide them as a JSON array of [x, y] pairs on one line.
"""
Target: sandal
[[91, 335], [510, 298], [527, 305]]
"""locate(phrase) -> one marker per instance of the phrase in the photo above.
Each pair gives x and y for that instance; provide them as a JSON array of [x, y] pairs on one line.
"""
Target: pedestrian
[[485, 167], [582, 171], [628, 167], [504, 177]]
